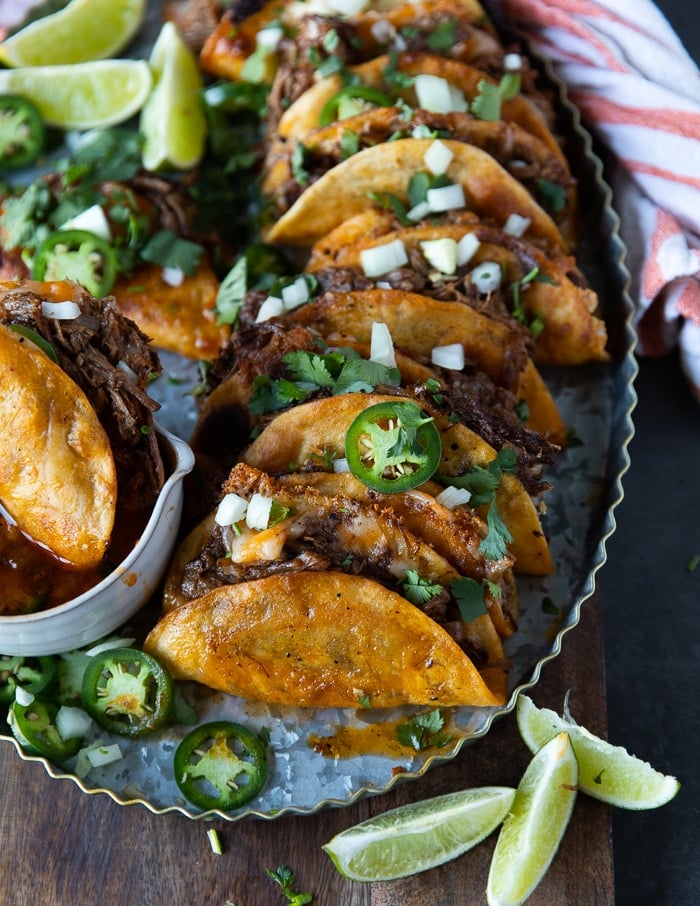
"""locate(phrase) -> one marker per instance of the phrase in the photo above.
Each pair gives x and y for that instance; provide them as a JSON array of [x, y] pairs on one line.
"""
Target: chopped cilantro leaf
[[349, 143], [551, 196], [396, 80], [297, 162], [271, 396], [424, 731], [495, 544], [389, 202], [487, 104], [443, 35], [231, 293], [469, 595], [169, 250], [419, 590]]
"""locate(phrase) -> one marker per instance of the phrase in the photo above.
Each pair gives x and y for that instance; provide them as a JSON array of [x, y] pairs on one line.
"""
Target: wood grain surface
[[61, 847]]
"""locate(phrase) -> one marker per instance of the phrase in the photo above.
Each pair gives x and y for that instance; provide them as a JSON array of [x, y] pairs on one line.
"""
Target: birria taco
[[473, 180], [78, 441], [318, 640], [463, 259], [291, 165]]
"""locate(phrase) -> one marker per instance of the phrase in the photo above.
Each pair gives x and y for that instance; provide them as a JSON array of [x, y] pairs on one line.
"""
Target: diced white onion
[[450, 356], [22, 697], [400, 43], [295, 294], [173, 276], [446, 198], [419, 211], [232, 508], [381, 259], [109, 644], [512, 62], [104, 755], [381, 347], [341, 465], [383, 284], [486, 276], [60, 311], [441, 253], [438, 157], [458, 100], [516, 225], [258, 513], [421, 131], [452, 497], [92, 220], [72, 723], [383, 31], [269, 37], [433, 93], [347, 7], [467, 247], [272, 307]]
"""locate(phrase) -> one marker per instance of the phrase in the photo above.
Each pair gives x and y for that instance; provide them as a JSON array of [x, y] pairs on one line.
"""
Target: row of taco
[[376, 429]]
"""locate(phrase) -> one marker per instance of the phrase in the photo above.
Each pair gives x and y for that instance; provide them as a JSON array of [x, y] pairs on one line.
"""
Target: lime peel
[[172, 121], [606, 772], [70, 36], [533, 830], [420, 835]]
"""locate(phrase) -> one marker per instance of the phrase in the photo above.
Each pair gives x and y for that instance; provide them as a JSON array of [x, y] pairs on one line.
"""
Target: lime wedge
[[530, 836], [84, 30], [83, 96], [172, 121], [606, 772], [418, 836]]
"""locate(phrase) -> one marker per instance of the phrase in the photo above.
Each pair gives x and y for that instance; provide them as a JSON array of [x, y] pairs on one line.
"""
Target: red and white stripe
[[639, 92]]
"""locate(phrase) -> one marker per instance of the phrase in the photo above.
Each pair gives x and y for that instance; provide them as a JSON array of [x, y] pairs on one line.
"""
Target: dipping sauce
[[33, 579]]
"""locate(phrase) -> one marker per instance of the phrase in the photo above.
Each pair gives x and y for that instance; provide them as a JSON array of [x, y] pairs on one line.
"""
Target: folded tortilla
[[57, 473], [351, 187], [318, 640], [558, 298], [315, 431]]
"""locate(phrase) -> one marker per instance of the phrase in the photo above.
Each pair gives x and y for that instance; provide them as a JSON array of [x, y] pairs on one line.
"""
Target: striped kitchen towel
[[639, 92]]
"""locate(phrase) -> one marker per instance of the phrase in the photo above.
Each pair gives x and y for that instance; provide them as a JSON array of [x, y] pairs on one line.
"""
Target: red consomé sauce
[[33, 579]]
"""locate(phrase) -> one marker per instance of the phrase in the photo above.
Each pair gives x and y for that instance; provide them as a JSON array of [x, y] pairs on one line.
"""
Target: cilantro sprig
[[339, 371], [424, 731], [487, 104], [483, 484], [284, 876]]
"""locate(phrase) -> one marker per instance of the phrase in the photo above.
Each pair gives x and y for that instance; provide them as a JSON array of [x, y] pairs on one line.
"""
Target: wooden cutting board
[[61, 847]]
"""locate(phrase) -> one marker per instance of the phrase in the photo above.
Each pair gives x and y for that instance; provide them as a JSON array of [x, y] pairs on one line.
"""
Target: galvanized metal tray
[[596, 402]]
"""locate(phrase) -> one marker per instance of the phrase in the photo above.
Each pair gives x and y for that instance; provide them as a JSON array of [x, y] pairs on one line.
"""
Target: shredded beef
[[95, 350]]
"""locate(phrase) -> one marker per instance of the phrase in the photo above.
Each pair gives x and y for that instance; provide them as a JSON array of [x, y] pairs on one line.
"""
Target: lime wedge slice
[[172, 121], [606, 772], [83, 30], [418, 836], [530, 836], [83, 96]]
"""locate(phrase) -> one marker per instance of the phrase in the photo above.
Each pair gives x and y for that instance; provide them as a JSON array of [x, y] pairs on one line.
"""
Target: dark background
[[651, 605]]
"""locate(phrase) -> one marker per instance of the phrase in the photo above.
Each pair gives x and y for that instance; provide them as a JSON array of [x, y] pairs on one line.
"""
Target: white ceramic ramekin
[[123, 592]]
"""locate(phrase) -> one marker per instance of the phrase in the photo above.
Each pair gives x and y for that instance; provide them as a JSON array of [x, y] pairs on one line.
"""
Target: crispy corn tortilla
[[316, 430], [572, 333], [418, 324], [489, 191], [526, 158], [317, 640], [57, 475], [182, 318], [234, 40], [303, 115]]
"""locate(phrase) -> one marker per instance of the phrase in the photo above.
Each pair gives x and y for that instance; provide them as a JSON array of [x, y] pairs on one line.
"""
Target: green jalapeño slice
[[393, 446], [21, 132], [34, 727], [77, 255], [33, 674], [127, 691], [220, 765]]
